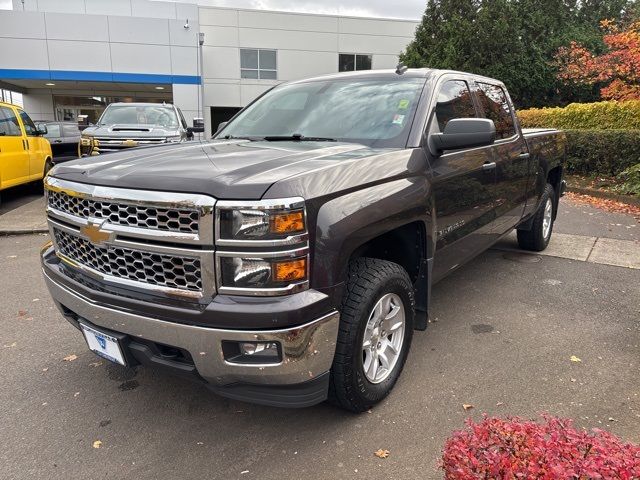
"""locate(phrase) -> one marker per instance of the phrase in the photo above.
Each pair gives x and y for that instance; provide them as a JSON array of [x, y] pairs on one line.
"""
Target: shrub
[[630, 179], [602, 152], [515, 448], [598, 115]]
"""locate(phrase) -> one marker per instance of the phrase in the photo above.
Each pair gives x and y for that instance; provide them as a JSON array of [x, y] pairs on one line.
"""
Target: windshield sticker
[[398, 119], [404, 104]]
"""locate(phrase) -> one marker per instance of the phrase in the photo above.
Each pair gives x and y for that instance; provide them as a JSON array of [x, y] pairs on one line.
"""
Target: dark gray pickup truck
[[290, 259]]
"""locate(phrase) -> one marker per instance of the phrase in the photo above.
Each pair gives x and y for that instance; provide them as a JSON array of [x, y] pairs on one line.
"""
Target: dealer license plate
[[104, 345]]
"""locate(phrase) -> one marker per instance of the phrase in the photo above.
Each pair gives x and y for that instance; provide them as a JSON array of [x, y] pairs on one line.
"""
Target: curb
[[23, 231], [610, 196]]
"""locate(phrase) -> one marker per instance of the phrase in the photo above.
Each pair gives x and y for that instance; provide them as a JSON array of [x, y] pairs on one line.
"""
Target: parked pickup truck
[[290, 259], [126, 125]]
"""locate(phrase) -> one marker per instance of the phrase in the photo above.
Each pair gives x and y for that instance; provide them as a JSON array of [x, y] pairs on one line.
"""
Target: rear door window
[[70, 131], [9, 123], [53, 131], [454, 101], [496, 107]]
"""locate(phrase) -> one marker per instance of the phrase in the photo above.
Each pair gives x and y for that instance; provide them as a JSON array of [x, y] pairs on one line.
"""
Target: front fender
[[351, 220]]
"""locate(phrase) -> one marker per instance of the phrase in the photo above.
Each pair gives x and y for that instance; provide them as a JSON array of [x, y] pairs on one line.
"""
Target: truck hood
[[130, 131], [222, 169]]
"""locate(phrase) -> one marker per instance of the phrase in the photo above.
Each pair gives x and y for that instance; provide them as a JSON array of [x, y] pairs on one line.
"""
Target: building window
[[258, 64], [348, 62]]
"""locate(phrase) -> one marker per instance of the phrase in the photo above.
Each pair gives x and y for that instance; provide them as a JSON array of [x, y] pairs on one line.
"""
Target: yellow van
[[25, 155]]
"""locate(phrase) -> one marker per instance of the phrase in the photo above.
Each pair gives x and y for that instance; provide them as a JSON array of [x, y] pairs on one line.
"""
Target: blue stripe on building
[[81, 76]]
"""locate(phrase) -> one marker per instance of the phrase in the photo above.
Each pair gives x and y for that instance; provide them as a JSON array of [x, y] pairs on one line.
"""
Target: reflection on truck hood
[[223, 169], [130, 131]]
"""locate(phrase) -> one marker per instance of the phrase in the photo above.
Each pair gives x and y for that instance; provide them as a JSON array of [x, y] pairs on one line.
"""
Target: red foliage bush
[[514, 448]]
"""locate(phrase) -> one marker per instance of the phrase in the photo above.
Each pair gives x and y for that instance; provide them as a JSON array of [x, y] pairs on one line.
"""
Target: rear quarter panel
[[547, 148]]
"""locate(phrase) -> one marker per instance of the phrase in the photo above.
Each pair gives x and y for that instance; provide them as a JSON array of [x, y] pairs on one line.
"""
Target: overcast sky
[[411, 9]]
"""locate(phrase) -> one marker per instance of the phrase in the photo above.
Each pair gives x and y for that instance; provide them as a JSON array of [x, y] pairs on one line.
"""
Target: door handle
[[524, 156], [487, 166], [57, 141]]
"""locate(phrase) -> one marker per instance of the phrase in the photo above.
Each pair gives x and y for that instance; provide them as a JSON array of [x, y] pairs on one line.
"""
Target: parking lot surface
[[504, 329]]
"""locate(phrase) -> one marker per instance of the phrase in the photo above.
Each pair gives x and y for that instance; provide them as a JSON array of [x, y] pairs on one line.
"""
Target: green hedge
[[602, 152], [599, 115]]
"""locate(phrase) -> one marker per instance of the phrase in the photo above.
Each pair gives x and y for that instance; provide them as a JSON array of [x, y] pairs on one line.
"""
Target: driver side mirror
[[198, 126], [41, 129], [463, 133]]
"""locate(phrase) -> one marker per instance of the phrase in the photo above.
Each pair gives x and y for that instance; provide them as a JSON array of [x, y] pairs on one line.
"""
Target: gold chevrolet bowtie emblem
[[95, 234], [130, 143]]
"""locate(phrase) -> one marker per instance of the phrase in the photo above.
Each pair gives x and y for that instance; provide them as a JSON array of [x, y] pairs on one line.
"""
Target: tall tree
[[513, 40]]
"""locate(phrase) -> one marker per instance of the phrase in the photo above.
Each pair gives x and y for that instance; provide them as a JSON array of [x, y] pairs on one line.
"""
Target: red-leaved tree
[[618, 69]]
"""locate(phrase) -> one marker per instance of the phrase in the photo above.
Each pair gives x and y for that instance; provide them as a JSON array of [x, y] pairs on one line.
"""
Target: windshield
[[376, 112], [162, 115]]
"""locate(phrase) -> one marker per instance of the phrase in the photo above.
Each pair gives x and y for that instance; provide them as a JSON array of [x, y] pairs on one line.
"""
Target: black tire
[[38, 185], [535, 239], [369, 279]]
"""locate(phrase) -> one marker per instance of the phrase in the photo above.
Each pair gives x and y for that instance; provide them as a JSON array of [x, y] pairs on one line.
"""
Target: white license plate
[[104, 345]]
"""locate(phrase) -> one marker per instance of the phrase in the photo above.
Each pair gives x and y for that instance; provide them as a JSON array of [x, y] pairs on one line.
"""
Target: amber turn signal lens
[[290, 271], [287, 222]]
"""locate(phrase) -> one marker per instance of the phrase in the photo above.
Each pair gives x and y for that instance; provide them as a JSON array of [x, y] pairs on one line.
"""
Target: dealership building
[[73, 57]]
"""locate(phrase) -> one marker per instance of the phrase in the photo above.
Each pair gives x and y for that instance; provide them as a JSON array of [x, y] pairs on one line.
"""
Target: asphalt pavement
[[504, 329]]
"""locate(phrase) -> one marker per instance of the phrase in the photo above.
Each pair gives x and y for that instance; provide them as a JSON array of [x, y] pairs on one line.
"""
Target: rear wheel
[[537, 238], [376, 328]]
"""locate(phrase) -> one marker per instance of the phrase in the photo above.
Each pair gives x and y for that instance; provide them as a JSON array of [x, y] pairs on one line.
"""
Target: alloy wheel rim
[[546, 219], [383, 338]]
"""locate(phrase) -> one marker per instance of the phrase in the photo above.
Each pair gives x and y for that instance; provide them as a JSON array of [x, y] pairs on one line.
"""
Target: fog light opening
[[252, 353]]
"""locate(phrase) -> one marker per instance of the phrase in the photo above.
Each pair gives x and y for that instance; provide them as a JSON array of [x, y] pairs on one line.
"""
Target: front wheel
[[537, 238], [376, 328]]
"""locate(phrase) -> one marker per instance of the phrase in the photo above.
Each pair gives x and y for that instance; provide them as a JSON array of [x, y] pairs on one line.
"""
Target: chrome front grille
[[177, 272], [141, 216], [156, 242]]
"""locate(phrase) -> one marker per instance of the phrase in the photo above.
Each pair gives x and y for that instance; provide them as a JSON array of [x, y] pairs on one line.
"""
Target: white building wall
[[307, 45], [115, 36], [145, 36]]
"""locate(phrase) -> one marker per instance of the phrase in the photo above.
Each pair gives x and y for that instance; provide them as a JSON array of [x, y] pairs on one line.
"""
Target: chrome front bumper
[[307, 350]]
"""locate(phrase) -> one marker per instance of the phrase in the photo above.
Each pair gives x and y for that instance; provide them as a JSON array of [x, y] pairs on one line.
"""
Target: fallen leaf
[[22, 313], [380, 453], [575, 359], [97, 444], [95, 364], [70, 358], [467, 406]]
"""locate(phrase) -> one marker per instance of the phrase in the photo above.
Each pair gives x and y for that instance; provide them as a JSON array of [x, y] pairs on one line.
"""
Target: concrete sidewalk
[[25, 219]]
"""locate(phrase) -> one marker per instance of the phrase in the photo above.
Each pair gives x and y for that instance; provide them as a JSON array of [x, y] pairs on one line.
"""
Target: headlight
[[174, 139], [263, 274], [272, 222], [280, 225]]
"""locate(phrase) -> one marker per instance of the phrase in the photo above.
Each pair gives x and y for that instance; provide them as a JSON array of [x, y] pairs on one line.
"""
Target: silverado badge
[[95, 233]]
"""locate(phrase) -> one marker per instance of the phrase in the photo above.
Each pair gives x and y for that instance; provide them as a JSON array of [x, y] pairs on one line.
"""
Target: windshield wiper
[[297, 137]]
